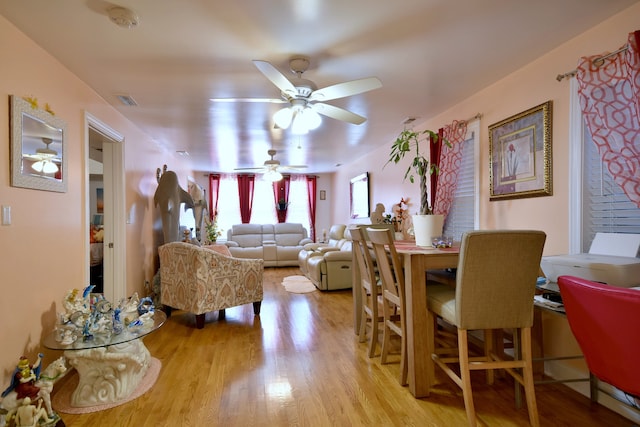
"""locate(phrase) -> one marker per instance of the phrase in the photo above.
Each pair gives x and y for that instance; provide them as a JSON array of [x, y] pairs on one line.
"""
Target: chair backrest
[[605, 321], [388, 262], [496, 278], [363, 258]]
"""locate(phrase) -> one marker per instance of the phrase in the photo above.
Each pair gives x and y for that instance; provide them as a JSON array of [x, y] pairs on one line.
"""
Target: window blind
[[605, 206], [461, 215]]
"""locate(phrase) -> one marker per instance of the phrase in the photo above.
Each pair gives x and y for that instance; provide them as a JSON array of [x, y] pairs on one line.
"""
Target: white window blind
[[605, 207], [462, 215]]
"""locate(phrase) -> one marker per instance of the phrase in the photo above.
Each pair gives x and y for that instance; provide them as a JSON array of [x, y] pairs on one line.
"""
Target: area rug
[[61, 401], [298, 284]]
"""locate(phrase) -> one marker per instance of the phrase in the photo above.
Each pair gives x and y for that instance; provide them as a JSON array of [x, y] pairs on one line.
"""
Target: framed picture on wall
[[520, 155]]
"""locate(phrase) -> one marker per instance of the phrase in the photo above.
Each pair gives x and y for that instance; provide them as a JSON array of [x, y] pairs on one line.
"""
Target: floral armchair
[[200, 280]]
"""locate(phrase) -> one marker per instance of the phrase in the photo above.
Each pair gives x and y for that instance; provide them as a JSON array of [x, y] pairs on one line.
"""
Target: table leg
[[420, 372]]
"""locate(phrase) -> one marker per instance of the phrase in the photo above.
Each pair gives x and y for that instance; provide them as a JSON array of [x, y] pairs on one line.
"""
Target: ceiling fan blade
[[341, 90], [250, 169], [270, 100], [276, 77], [338, 113], [293, 167]]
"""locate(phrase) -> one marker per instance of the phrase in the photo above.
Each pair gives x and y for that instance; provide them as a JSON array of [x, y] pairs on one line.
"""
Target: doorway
[[105, 209]]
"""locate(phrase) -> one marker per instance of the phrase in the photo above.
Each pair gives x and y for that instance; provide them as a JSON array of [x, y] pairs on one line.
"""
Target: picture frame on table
[[520, 155]]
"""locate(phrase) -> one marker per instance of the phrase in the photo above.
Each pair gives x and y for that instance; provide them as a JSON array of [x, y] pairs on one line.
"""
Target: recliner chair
[[336, 235], [330, 268]]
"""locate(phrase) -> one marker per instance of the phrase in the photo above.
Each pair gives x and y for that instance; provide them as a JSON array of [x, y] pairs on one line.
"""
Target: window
[[263, 208], [463, 215], [598, 204]]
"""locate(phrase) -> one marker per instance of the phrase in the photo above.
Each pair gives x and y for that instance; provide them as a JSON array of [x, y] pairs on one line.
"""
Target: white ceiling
[[429, 55]]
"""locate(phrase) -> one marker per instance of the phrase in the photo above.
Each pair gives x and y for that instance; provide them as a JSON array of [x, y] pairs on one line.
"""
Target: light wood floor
[[300, 364]]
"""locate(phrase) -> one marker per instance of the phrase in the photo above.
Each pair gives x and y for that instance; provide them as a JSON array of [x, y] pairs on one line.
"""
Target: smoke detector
[[123, 17]]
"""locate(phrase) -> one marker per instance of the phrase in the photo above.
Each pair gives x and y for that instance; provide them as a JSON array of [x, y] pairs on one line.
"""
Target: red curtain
[[449, 163], [311, 190], [214, 187], [245, 194], [281, 192], [609, 90]]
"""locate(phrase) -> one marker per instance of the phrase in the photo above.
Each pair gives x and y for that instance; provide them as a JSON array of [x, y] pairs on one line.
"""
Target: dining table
[[416, 260]]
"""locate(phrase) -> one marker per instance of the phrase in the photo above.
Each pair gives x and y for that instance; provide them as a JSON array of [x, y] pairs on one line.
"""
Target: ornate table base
[[108, 374]]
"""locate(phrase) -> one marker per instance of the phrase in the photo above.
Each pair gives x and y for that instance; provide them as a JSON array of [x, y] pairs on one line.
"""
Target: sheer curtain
[[609, 90]]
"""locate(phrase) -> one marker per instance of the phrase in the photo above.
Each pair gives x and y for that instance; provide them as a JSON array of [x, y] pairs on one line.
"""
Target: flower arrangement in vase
[[212, 230]]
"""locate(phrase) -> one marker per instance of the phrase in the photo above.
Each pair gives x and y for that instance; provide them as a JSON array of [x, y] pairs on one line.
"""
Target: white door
[[110, 144]]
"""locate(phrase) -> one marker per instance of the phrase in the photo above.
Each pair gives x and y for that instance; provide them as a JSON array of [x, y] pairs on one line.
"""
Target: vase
[[425, 227]]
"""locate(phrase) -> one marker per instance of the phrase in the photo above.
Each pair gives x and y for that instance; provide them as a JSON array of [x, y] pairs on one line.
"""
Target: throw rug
[[298, 284], [61, 400]]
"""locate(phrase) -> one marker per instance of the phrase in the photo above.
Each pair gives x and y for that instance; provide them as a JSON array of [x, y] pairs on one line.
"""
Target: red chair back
[[605, 320]]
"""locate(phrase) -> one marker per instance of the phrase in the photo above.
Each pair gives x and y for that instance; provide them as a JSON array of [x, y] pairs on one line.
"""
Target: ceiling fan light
[[44, 166], [311, 118], [49, 167], [283, 117], [299, 127], [272, 176]]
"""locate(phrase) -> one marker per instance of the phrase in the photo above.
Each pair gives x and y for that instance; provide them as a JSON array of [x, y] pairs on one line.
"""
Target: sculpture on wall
[[168, 197]]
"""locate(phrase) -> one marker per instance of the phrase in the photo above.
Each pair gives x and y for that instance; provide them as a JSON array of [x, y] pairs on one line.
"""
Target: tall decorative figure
[[200, 207], [169, 196]]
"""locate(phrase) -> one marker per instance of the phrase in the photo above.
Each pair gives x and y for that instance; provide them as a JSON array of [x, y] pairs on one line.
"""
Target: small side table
[[109, 368]]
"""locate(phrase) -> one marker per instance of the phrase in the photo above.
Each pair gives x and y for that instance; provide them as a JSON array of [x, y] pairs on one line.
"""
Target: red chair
[[605, 320]]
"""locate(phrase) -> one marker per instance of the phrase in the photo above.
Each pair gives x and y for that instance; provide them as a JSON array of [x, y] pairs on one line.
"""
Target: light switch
[[6, 215]]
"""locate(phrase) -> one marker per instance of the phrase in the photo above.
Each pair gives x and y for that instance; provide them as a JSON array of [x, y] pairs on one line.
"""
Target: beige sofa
[[199, 280], [336, 234], [277, 244], [329, 268]]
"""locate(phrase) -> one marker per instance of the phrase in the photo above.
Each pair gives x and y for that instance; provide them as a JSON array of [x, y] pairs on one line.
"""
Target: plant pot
[[425, 227]]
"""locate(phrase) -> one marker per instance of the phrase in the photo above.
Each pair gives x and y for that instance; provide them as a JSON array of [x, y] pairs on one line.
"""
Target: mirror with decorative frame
[[38, 151], [360, 196]]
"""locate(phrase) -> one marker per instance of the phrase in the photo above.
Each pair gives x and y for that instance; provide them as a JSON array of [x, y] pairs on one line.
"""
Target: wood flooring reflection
[[300, 364]]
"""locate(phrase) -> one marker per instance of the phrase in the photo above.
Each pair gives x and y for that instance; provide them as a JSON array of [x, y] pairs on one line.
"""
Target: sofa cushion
[[246, 235]]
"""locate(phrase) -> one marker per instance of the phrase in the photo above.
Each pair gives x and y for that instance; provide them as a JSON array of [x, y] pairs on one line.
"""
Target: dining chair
[[495, 285], [393, 296], [604, 319], [370, 288]]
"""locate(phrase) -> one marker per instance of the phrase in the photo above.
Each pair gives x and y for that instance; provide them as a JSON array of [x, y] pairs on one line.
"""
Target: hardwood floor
[[300, 364]]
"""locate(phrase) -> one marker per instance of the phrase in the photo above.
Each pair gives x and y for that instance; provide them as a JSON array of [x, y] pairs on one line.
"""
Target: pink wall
[[526, 88], [42, 253]]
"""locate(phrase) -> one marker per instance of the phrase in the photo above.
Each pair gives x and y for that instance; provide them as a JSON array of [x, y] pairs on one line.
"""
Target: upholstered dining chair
[[370, 288], [393, 296], [495, 285], [604, 319]]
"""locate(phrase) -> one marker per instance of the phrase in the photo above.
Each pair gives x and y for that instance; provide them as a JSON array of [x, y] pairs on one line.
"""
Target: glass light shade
[[283, 117], [272, 176], [45, 166], [311, 118]]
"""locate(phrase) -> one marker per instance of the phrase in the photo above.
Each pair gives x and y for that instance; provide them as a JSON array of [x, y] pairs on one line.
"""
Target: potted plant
[[282, 204], [213, 232], [425, 224]]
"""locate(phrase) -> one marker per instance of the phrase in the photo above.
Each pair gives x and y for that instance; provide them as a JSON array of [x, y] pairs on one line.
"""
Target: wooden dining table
[[417, 260]]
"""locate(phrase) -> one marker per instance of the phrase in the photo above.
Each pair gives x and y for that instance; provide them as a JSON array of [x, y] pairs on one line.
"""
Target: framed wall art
[[520, 155]]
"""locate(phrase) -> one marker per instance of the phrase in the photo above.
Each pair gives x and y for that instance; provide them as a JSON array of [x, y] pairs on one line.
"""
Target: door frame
[[115, 269]]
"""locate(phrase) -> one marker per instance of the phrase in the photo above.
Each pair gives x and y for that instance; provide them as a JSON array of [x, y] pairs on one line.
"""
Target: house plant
[[213, 232], [425, 224]]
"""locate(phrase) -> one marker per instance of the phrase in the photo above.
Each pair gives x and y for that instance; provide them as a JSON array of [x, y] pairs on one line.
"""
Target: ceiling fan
[[45, 158], [305, 99], [272, 167]]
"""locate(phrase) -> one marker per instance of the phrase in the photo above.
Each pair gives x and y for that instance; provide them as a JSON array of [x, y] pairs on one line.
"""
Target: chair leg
[[373, 339], [199, 321], [488, 351], [386, 335], [529, 389], [256, 307], [465, 377]]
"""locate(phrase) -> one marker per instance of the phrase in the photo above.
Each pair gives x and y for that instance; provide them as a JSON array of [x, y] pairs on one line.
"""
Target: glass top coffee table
[[110, 368]]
